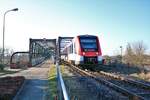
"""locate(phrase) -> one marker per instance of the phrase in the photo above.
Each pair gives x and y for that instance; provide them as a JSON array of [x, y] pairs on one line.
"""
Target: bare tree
[[129, 54], [8, 53], [139, 50], [135, 53]]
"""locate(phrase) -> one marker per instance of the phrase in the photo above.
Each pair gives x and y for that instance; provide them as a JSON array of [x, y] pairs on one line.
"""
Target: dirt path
[[36, 85]]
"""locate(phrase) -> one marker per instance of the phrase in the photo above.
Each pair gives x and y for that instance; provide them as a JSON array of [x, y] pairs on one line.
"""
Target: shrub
[[2, 66]]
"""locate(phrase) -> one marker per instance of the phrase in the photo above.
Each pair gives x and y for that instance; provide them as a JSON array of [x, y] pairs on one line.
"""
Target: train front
[[90, 49]]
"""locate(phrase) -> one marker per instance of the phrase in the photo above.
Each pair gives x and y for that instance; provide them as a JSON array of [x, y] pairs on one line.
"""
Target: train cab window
[[88, 44]]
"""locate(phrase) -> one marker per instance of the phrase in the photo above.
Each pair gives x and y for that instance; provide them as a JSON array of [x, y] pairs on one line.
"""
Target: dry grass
[[142, 75], [52, 82], [52, 76], [62, 68]]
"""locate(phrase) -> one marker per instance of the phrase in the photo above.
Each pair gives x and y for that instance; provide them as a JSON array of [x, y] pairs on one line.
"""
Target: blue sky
[[116, 22]]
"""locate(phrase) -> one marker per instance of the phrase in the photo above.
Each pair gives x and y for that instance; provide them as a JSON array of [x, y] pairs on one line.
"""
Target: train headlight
[[96, 53], [83, 53]]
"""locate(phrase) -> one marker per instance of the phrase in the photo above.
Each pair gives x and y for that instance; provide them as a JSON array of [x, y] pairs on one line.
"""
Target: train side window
[[71, 48], [75, 49]]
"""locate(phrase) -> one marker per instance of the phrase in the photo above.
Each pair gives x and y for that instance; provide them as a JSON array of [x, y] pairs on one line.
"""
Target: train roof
[[86, 35]]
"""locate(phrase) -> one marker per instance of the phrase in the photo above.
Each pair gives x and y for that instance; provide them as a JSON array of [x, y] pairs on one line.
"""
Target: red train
[[84, 49]]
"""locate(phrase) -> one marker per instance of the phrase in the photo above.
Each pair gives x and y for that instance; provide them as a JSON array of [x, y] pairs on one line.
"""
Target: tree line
[[8, 53], [135, 54]]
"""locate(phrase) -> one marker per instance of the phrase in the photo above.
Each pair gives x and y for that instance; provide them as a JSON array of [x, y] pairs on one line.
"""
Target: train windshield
[[88, 44]]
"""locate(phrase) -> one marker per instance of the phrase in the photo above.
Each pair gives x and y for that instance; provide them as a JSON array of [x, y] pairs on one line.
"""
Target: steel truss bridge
[[40, 50]]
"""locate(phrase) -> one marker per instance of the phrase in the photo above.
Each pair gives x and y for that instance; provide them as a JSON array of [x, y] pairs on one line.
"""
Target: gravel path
[[36, 84]]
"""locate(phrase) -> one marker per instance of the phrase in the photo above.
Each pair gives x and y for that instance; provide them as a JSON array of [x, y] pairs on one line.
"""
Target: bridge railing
[[63, 95], [19, 59]]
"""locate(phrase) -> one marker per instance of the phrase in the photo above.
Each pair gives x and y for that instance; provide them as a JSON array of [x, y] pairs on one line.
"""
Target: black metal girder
[[64, 41], [41, 48]]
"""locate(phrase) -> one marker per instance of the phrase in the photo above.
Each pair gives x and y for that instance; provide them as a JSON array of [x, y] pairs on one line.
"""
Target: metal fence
[[63, 95]]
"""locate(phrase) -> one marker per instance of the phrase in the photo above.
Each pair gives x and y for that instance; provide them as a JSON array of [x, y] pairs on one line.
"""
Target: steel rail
[[62, 84], [126, 79], [146, 86], [131, 95]]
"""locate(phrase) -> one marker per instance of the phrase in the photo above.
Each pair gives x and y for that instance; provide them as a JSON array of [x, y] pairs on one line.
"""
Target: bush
[[2, 66]]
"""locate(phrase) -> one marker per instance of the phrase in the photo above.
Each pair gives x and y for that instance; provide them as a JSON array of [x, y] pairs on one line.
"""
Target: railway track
[[126, 79], [136, 87], [134, 90]]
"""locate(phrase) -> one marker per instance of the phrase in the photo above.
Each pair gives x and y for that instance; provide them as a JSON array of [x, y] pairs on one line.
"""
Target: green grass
[[52, 82], [52, 76]]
